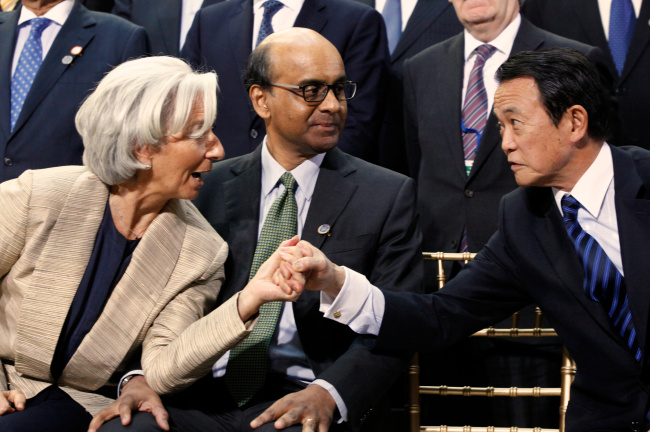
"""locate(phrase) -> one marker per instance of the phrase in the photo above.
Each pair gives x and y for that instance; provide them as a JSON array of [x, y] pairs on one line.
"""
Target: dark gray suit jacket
[[531, 259], [580, 20], [448, 199], [45, 134], [371, 212]]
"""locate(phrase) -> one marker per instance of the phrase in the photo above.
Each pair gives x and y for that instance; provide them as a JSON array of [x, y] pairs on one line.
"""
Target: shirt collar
[[59, 13], [592, 187], [502, 43], [294, 5], [305, 174]]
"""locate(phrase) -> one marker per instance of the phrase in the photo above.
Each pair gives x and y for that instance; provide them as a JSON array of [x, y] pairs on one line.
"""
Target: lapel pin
[[324, 229], [76, 50], [66, 60]]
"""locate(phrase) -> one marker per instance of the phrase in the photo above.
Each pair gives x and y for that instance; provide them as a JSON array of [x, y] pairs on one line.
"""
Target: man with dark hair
[[626, 43], [573, 239], [320, 375]]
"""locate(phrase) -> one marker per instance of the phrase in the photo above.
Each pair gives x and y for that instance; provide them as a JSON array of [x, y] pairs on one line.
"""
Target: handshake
[[296, 265]]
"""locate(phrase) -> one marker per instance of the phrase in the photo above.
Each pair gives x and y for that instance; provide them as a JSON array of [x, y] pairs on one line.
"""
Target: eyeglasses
[[318, 92]]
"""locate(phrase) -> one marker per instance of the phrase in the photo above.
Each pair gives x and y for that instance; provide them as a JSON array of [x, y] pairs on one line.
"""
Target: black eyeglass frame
[[328, 86]]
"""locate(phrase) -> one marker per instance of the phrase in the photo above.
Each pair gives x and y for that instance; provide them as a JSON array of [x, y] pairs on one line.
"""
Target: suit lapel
[[312, 15], [8, 22], [450, 98], [640, 39], [78, 30], [587, 14], [127, 314], [169, 23], [57, 276], [423, 16], [562, 257], [331, 195], [240, 28], [242, 206], [633, 218]]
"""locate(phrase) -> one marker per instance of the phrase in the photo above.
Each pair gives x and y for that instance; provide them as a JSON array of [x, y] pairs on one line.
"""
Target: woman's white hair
[[137, 105]]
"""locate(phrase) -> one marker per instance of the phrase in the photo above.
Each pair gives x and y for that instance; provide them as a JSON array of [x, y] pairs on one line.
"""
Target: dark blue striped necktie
[[603, 282]]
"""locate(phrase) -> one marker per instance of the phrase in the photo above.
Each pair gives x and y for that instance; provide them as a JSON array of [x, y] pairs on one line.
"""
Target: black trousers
[[207, 407], [52, 410]]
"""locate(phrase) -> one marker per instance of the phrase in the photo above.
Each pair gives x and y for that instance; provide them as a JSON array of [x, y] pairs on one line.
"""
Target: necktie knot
[[570, 207], [288, 181], [38, 25], [272, 6], [484, 52]]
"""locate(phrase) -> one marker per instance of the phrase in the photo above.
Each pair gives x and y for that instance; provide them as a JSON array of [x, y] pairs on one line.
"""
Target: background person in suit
[[590, 22], [458, 202], [360, 214], [166, 21], [97, 260], [223, 35], [553, 120], [423, 23], [78, 47]]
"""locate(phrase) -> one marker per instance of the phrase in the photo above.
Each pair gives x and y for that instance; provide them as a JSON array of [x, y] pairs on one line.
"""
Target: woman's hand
[[269, 285], [11, 401]]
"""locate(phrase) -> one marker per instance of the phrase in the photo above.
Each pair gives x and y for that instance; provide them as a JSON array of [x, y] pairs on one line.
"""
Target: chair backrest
[[567, 372]]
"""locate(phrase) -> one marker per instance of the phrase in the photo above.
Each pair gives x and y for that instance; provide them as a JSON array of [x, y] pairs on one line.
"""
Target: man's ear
[[579, 122], [259, 98]]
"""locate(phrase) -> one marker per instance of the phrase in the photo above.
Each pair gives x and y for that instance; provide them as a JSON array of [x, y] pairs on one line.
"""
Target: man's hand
[[312, 407], [320, 273], [269, 285], [136, 396], [11, 401]]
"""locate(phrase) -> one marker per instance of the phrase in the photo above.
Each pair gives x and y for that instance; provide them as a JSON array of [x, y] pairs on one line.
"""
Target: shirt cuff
[[359, 304], [134, 372], [343, 410]]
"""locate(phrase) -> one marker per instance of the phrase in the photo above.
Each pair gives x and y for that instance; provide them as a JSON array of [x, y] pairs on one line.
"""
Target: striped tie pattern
[[621, 27], [474, 114], [29, 62], [246, 370], [271, 7], [603, 282]]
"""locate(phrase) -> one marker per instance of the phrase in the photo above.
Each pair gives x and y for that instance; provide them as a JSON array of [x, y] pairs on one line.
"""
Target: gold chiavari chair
[[416, 389]]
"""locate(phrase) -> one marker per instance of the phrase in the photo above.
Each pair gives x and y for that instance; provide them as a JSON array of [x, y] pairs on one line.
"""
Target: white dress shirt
[[188, 10], [286, 355], [503, 44], [283, 19], [605, 8], [58, 14], [407, 9], [362, 308]]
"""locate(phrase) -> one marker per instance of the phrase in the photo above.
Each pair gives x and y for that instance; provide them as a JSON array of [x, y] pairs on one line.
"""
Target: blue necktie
[[392, 14], [271, 7], [30, 60], [603, 282], [621, 26]]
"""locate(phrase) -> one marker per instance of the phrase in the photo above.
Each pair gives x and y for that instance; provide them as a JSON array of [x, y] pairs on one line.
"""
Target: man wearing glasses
[[320, 376]]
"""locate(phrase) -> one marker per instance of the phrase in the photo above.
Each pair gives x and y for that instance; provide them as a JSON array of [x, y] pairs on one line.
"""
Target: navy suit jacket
[[580, 20], [45, 134], [371, 212], [431, 22], [160, 18], [448, 199], [531, 259], [221, 40]]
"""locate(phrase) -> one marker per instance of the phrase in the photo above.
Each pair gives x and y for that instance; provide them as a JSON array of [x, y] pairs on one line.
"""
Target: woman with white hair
[[99, 261]]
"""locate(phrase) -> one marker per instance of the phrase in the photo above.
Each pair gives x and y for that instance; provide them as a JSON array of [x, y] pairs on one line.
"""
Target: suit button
[[253, 133], [620, 90], [454, 243], [469, 193], [337, 314], [8, 161], [635, 427]]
